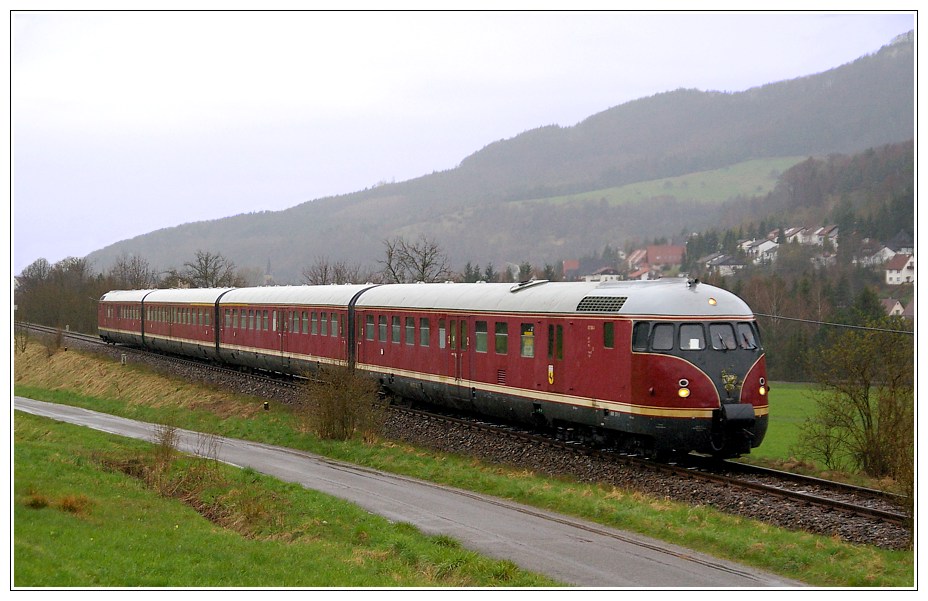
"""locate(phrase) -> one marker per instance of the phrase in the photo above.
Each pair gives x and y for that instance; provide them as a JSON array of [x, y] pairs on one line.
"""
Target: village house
[[872, 253], [636, 258], [900, 270], [665, 256], [762, 252], [813, 236], [722, 264], [892, 306], [604, 274]]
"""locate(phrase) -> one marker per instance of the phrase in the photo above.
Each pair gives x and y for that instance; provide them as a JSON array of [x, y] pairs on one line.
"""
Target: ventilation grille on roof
[[601, 304]]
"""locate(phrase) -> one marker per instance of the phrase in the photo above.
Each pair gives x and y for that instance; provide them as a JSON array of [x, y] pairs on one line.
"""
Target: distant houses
[[895, 258]]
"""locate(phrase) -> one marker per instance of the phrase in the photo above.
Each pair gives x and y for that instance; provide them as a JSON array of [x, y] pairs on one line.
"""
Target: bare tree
[[210, 270], [132, 273], [324, 271], [394, 266], [420, 261]]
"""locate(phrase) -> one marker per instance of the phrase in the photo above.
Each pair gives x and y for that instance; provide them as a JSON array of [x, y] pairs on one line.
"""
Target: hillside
[[550, 193]]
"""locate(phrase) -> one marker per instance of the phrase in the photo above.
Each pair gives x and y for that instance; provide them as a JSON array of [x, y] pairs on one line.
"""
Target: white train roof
[[331, 295], [185, 295], [664, 297], [124, 296]]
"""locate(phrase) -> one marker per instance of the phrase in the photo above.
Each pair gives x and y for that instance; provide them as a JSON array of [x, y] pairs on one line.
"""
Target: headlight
[[683, 393], [762, 391]]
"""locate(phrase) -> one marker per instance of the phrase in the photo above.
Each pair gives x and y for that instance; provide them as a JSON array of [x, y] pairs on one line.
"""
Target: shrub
[[340, 402]]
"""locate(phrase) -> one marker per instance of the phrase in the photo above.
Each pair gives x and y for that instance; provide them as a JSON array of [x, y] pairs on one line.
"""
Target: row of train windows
[[406, 331], [293, 322], [123, 312], [180, 315], [694, 336], [188, 316]]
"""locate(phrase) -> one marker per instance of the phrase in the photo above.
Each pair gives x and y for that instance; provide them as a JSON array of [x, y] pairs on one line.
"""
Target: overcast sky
[[129, 122]]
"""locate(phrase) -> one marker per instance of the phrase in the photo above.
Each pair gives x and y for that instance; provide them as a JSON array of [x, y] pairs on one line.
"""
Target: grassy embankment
[[104, 385]]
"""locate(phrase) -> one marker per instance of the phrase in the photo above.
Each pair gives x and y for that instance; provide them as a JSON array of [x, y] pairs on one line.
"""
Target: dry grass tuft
[[93, 376]]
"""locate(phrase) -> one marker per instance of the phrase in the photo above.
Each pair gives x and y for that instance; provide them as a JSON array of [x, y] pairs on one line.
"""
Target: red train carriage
[[667, 365], [119, 316], [289, 329], [182, 321]]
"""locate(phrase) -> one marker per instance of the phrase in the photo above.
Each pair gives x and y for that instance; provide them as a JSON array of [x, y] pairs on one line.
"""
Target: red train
[[668, 366]]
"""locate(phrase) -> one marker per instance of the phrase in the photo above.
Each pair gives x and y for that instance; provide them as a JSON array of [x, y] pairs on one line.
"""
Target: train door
[[280, 321], [458, 359], [556, 372], [286, 339]]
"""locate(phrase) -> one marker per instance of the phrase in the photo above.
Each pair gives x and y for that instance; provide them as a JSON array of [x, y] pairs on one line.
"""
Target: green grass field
[[750, 178], [77, 524]]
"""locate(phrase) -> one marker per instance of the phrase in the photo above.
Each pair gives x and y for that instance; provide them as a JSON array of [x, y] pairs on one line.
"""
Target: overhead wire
[[837, 325]]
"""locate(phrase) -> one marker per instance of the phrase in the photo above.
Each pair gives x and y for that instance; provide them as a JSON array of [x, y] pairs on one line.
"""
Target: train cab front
[[711, 375]]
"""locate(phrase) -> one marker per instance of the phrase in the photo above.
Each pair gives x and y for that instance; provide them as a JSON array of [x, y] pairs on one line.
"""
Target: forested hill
[[558, 172]]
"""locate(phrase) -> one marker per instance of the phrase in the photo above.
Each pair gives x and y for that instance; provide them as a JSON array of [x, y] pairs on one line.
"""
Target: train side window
[[304, 322], [463, 335], [324, 324], [395, 330], [480, 335], [559, 344], [640, 336], [550, 342], [692, 337], [265, 321], [662, 337], [424, 331], [502, 338], [723, 336], [410, 331], [609, 335], [441, 333], [334, 328], [527, 347], [369, 325], [382, 328], [314, 323]]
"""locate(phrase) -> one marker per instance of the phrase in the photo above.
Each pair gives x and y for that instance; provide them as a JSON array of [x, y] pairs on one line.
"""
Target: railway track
[[767, 490], [830, 495]]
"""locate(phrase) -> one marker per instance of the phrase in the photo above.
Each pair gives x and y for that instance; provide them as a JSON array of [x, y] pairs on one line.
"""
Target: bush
[[865, 410], [340, 402]]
